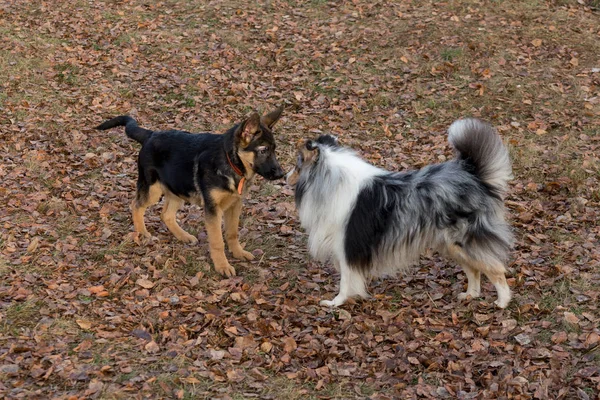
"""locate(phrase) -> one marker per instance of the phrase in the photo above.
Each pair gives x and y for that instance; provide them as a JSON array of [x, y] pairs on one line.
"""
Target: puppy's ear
[[271, 118], [248, 129]]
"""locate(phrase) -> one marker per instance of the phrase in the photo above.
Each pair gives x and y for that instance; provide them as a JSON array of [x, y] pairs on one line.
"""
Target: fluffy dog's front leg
[[352, 283]]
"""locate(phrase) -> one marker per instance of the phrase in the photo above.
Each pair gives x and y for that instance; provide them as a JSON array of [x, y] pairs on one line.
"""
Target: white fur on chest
[[329, 199]]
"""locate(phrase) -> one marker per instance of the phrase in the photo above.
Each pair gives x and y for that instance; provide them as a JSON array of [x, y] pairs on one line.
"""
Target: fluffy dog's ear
[[311, 145], [249, 129], [328, 140], [271, 118]]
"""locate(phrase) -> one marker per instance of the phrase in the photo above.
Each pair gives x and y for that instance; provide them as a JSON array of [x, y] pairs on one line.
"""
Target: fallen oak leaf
[[571, 318], [33, 245], [266, 347], [96, 289], [289, 344], [152, 347], [559, 337], [145, 283], [84, 324]]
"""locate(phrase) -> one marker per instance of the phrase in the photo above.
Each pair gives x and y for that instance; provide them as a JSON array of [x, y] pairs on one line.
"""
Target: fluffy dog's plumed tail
[[482, 153], [132, 130]]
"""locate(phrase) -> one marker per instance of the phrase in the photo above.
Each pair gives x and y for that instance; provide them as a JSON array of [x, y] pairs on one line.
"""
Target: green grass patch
[[451, 53], [21, 315]]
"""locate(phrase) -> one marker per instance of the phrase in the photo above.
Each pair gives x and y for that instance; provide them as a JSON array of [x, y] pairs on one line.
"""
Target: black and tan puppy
[[205, 169]]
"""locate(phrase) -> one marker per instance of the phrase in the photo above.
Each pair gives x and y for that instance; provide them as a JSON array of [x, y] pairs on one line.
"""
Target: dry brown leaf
[[289, 344], [152, 347], [145, 283], [84, 324]]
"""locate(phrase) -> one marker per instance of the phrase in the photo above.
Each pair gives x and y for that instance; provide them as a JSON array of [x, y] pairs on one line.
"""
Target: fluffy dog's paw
[[467, 295], [243, 255], [336, 302], [225, 269], [501, 304], [327, 303]]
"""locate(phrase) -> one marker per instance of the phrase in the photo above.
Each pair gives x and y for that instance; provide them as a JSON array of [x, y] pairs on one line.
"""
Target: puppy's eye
[[263, 150]]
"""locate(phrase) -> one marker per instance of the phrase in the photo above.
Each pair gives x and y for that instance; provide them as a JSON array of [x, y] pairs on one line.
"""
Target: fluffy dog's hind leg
[[352, 283], [497, 277], [473, 282], [473, 274], [494, 270]]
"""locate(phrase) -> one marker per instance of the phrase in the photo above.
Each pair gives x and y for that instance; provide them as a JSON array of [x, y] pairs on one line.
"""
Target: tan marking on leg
[[473, 275], [232, 221], [139, 206], [473, 282], [473, 268], [224, 198], [216, 244], [496, 276], [169, 216]]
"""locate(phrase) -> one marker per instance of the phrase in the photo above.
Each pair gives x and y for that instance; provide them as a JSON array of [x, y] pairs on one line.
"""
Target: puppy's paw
[[242, 254], [143, 238], [225, 269], [142, 235], [191, 239]]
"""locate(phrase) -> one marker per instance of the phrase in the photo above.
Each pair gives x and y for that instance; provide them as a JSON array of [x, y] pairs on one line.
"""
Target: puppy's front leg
[[215, 242], [232, 222]]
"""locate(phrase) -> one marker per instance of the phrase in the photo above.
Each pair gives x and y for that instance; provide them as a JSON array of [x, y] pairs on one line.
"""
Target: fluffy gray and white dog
[[371, 222]]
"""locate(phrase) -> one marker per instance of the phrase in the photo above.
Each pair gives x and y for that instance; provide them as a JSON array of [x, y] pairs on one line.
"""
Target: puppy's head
[[256, 144], [308, 154]]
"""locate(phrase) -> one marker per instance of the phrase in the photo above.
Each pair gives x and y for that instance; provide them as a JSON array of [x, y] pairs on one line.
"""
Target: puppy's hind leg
[[352, 283], [169, 217], [145, 196]]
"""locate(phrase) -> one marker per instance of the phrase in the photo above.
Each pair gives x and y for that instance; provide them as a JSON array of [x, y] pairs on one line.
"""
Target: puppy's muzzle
[[275, 173]]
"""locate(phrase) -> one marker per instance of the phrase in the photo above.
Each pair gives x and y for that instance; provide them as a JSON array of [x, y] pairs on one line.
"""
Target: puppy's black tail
[[132, 129], [481, 150]]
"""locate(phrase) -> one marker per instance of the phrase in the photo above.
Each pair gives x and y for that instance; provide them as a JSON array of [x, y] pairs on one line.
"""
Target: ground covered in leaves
[[87, 312]]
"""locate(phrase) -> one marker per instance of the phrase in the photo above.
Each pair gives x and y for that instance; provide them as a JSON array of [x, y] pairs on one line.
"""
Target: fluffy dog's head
[[308, 155]]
